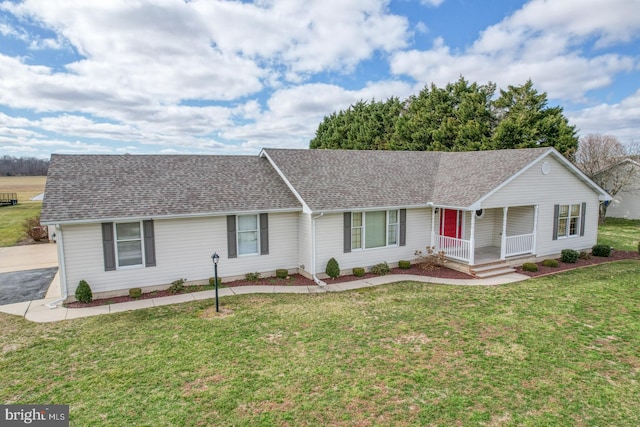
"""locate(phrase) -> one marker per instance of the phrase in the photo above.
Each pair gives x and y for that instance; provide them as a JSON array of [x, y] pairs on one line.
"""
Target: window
[[128, 237], [569, 220], [374, 229], [247, 234]]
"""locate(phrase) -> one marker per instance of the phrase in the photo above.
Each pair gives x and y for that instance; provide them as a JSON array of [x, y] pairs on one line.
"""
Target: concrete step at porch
[[491, 269]]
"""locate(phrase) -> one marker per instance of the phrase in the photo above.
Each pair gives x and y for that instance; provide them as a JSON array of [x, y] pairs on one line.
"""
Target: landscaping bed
[[592, 260], [293, 280]]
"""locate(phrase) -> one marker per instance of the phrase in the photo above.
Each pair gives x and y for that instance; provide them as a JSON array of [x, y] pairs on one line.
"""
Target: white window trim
[[386, 234], [568, 218], [116, 241], [257, 231]]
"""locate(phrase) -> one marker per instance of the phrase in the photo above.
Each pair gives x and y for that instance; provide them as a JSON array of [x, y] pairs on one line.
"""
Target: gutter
[[61, 270], [313, 251]]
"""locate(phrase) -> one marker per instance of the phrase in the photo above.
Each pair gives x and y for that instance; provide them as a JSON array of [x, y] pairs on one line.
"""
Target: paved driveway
[[26, 285], [26, 272]]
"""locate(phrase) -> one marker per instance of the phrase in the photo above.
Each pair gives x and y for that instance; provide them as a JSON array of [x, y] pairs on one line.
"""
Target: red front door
[[450, 223]]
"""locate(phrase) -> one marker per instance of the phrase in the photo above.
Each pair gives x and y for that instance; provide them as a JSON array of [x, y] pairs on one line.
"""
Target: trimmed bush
[[176, 286], [530, 266], [404, 264], [569, 256], [550, 263], [333, 268], [212, 281], [282, 273], [358, 272], [135, 292], [252, 277], [381, 269], [601, 250], [83, 292]]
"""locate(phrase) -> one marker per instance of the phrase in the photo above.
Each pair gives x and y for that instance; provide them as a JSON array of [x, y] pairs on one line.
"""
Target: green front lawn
[[559, 350], [623, 234]]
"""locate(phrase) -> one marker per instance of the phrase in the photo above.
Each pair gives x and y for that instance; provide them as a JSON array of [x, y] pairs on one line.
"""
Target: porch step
[[491, 270]]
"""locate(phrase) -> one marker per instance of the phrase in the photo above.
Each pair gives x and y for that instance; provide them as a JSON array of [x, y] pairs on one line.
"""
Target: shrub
[[431, 260], [601, 250], [550, 263], [33, 229], [333, 268], [282, 273], [569, 256], [358, 272], [404, 264], [83, 292], [381, 269], [530, 266], [135, 292], [176, 286], [212, 281], [252, 277], [584, 255]]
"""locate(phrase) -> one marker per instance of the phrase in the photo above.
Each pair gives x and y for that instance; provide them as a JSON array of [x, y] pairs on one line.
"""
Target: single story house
[[125, 221], [626, 202]]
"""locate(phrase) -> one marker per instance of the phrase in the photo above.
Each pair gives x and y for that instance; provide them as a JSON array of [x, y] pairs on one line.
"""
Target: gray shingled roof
[[93, 187], [353, 179]]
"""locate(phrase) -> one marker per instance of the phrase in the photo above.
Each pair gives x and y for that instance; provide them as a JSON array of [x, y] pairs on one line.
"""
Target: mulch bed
[[299, 280], [293, 280], [593, 260]]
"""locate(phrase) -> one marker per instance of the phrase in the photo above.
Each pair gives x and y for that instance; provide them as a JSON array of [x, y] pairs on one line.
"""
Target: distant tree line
[[462, 116], [15, 166]]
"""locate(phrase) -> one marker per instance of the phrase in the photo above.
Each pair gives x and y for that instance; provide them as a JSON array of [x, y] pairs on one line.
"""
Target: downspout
[[61, 269], [313, 250]]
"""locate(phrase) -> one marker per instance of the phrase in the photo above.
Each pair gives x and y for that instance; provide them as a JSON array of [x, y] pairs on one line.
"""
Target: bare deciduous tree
[[609, 163]]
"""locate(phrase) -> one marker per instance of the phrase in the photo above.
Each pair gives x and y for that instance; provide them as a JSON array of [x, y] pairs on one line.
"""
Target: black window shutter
[[556, 213], [583, 212], [347, 232], [108, 246], [264, 234], [149, 243], [403, 227], [231, 237]]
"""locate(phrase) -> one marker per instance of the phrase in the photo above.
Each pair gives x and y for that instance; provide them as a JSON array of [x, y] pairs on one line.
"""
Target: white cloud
[[434, 3]]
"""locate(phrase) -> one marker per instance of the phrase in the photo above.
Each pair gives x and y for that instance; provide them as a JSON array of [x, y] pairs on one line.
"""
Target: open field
[[623, 234], [25, 186], [559, 350]]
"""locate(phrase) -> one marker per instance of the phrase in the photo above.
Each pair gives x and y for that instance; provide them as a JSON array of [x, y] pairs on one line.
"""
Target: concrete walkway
[[37, 310]]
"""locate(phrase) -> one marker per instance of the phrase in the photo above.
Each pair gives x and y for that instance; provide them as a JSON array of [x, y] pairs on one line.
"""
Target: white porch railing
[[454, 248], [519, 245]]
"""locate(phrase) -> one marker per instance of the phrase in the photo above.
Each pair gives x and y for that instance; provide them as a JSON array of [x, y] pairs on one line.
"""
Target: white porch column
[[535, 229], [433, 230], [472, 239], [503, 242]]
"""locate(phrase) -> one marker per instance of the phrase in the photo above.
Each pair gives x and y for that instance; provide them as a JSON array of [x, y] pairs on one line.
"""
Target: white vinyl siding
[[181, 252], [330, 242], [560, 186], [376, 229]]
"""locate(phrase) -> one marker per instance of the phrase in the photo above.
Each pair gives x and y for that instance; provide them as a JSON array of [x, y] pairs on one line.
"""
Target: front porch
[[485, 236]]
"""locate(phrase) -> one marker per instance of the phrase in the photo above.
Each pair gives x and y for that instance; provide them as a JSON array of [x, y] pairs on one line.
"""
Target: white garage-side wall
[[558, 187], [626, 204], [304, 243], [183, 250], [330, 242]]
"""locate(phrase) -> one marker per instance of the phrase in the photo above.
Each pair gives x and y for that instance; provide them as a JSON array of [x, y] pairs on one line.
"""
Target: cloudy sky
[[231, 77]]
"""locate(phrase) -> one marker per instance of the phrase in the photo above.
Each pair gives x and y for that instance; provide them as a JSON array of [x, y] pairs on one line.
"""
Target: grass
[[13, 217], [12, 221], [559, 350], [622, 234]]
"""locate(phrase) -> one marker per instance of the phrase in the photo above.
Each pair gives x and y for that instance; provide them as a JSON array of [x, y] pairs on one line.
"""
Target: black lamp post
[[215, 257]]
